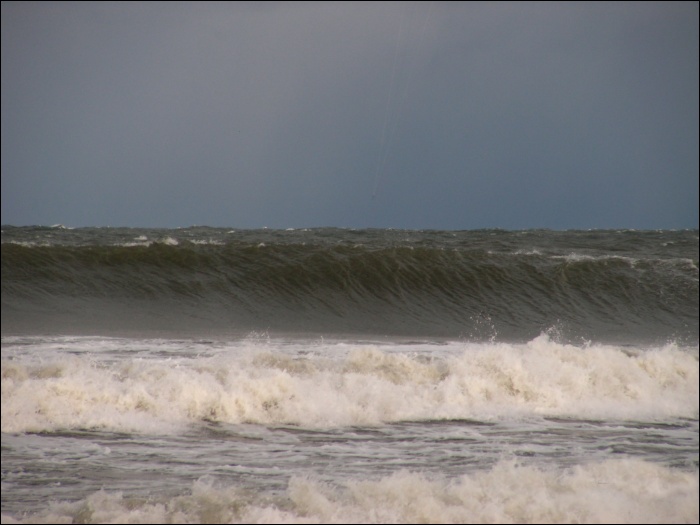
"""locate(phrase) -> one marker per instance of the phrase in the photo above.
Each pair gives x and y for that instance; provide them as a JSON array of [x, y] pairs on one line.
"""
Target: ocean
[[331, 375]]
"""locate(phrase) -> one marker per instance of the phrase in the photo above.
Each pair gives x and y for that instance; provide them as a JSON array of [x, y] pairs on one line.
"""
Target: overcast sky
[[454, 115]]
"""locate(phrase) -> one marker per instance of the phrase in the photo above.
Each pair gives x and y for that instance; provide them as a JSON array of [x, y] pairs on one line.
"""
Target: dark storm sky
[[453, 115]]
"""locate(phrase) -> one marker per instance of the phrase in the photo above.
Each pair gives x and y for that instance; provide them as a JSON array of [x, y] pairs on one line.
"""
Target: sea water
[[330, 375]]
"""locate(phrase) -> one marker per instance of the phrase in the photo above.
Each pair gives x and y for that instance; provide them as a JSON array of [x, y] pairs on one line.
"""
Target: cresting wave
[[333, 375], [344, 385], [399, 290], [605, 492]]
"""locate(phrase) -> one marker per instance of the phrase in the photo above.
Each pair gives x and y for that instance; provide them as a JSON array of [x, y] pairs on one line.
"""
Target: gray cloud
[[418, 115]]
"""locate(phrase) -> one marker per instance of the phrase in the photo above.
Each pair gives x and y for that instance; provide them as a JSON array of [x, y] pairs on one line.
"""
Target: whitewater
[[334, 376]]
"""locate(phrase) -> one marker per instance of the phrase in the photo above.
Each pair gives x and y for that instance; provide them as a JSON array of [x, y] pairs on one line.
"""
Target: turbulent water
[[334, 375]]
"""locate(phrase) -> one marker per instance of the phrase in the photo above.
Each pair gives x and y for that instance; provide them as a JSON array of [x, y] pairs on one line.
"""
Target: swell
[[394, 290]]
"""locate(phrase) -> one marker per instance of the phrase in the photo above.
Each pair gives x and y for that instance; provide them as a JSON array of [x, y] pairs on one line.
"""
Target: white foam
[[330, 385], [206, 242], [579, 257], [29, 244], [612, 491], [527, 252]]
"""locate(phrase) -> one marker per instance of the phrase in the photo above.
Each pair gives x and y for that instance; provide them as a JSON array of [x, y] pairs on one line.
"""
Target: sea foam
[[332, 385], [611, 491]]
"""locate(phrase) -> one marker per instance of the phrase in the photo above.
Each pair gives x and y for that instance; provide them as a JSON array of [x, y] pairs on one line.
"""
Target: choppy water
[[336, 375]]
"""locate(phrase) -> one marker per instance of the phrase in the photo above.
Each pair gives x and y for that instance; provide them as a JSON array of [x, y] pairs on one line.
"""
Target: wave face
[[479, 285]]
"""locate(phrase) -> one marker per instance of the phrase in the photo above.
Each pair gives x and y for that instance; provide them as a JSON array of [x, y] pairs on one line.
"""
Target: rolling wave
[[322, 385], [423, 289]]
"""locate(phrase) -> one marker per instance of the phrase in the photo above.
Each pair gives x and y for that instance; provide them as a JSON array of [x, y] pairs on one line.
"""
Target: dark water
[[367, 376], [594, 285]]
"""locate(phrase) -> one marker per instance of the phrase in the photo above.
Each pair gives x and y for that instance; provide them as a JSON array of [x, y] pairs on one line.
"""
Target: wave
[[430, 290], [338, 385], [612, 491]]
